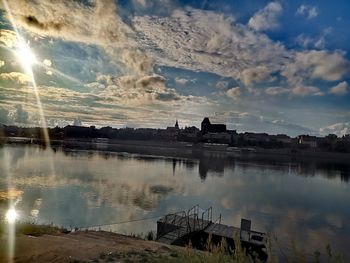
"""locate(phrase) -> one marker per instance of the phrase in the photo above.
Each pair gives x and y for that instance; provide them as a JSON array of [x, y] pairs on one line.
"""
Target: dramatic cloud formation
[[207, 41], [341, 89], [266, 18], [144, 62], [54, 18]]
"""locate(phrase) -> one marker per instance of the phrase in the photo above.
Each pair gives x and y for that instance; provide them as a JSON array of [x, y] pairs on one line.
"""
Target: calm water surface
[[305, 202]]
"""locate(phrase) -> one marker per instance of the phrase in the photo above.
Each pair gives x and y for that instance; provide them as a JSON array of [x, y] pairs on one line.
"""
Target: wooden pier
[[196, 226]]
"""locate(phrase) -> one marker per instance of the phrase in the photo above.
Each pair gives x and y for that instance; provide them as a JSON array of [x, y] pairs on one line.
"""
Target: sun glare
[[11, 216], [26, 56]]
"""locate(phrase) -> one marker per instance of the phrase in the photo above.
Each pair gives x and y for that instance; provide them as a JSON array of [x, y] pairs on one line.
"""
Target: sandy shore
[[84, 246]]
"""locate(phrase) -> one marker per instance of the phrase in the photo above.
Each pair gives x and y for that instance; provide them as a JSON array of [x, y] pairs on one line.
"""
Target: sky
[[255, 65]]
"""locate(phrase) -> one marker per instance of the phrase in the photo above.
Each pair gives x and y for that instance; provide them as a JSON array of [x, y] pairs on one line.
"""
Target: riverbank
[[50, 244], [183, 149], [85, 246]]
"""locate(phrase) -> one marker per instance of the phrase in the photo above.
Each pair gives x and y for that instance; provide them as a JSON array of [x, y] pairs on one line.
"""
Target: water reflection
[[303, 200]]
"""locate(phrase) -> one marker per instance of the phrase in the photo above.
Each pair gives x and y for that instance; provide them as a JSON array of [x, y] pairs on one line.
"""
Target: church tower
[[176, 125]]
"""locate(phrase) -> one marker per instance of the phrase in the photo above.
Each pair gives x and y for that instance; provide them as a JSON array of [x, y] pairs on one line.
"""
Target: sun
[[11, 216], [26, 56]]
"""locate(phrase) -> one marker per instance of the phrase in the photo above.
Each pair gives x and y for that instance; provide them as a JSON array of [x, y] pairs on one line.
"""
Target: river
[[306, 203]]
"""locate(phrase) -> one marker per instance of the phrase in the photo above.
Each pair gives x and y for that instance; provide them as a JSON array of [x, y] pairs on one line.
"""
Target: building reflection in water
[[280, 194]]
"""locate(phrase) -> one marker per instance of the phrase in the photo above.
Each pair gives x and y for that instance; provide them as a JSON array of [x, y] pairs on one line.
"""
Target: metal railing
[[170, 219], [216, 223], [187, 222]]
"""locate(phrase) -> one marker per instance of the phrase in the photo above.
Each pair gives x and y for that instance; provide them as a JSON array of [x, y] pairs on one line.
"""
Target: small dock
[[197, 225]]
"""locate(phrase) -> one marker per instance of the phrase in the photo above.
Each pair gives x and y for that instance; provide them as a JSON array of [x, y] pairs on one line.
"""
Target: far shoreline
[[181, 149]]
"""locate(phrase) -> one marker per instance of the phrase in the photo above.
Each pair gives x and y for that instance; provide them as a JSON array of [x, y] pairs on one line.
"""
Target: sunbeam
[[28, 59], [25, 55]]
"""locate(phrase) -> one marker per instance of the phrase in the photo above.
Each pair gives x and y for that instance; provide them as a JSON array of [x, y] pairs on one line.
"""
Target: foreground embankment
[[85, 246], [34, 243]]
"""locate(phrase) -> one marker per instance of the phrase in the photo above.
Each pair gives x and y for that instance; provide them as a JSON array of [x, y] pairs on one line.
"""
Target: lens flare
[[11, 216], [28, 59], [25, 55]]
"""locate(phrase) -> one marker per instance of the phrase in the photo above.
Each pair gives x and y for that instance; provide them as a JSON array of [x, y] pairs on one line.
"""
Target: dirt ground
[[84, 246]]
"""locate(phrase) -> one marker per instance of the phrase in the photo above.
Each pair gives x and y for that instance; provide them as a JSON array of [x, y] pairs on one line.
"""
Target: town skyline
[[272, 66], [206, 126], [78, 123]]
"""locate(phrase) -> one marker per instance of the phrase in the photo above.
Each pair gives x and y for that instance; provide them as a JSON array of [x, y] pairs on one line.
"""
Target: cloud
[[155, 6], [341, 89], [138, 62], [131, 90], [18, 77], [256, 74], [55, 19], [276, 91], [326, 65], [234, 93], [318, 42], [207, 41], [306, 41], [181, 81], [339, 129], [306, 90], [308, 11], [97, 23], [8, 38], [296, 91], [266, 18], [47, 62], [256, 122]]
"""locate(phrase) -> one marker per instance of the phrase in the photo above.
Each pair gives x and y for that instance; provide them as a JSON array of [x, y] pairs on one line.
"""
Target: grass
[[213, 254], [192, 256], [221, 254], [33, 229]]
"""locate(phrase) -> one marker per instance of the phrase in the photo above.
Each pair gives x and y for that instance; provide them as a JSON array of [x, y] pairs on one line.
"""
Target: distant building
[[256, 137], [281, 138], [206, 127], [307, 140], [222, 137], [175, 128], [171, 133]]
